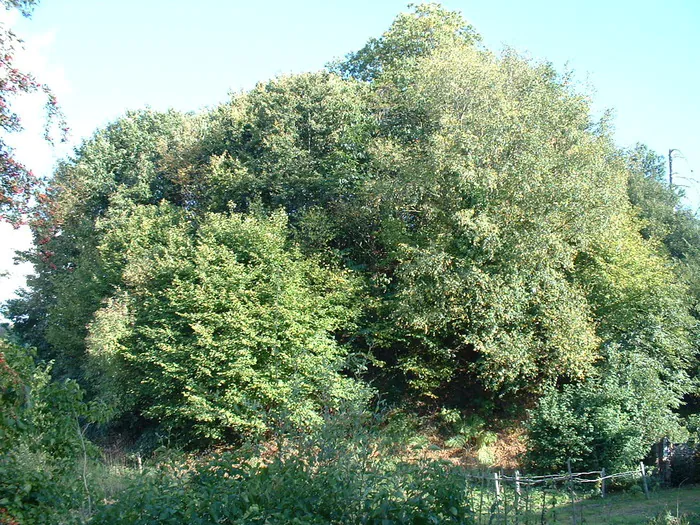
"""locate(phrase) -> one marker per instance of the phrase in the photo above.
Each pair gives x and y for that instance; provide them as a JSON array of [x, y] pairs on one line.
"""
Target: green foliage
[[412, 36], [607, 422], [692, 424], [660, 206], [120, 163], [487, 205], [449, 223], [296, 142], [641, 301], [221, 328], [343, 474], [643, 308], [674, 227], [40, 440]]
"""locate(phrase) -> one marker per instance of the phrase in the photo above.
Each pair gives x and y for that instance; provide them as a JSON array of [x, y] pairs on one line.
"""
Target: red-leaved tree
[[17, 183]]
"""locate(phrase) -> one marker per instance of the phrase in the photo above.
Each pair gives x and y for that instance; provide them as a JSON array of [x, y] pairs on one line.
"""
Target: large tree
[[219, 328]]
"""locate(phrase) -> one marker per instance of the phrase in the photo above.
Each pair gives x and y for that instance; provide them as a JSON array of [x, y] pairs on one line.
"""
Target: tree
[[17, 183], [491, 186], [122, 163], [667, 221], [88, 233], [411, 37], [647, 351], [456, 218], [297, 142], [220, 329]]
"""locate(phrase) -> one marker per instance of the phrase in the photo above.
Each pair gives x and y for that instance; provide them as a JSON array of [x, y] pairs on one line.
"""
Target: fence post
[[644, 478], [571, 492], [602, 483], [481, 496], [497, 502], [517, 497], [505, 500]]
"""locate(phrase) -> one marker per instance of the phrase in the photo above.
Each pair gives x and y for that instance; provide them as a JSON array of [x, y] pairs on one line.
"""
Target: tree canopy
[[446, 224]]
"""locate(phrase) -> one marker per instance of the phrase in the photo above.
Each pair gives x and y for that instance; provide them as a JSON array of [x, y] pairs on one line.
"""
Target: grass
[[629, 508], [553, 505]]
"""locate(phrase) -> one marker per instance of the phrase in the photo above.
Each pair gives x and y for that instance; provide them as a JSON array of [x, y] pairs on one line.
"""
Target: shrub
[[222, 330], [41, 442], [606, 422], [342, 474]]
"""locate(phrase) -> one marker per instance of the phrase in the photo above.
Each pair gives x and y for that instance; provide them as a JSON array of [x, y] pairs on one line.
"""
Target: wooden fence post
[[602, 483], [505, 500], [497, 503], [571, 492], [644, 478], [481, 496], [517, 497]]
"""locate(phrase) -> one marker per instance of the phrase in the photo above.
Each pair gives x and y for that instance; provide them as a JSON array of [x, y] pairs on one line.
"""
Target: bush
[[587, 425], [41, 441], [610, 421], [343, 474], [223, 330]]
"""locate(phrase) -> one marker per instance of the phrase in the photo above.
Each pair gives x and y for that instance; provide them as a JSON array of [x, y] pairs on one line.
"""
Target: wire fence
[[516, 499]]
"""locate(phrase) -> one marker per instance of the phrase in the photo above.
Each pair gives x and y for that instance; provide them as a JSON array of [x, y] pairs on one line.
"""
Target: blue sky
[[638, 58]]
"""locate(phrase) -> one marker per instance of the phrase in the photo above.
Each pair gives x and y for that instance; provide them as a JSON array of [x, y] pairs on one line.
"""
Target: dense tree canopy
[[445, 223], [221, 326]]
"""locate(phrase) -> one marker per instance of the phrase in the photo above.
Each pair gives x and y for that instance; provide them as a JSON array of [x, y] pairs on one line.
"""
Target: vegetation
[[43, 452], [18, 184], [344, 473], [425, 223]]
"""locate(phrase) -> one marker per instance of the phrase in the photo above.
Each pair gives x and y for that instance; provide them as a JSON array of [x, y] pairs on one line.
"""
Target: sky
[[639, 59]]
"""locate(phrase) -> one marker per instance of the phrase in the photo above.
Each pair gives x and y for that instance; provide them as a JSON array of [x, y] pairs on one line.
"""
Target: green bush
[[222, 329], [41, 444], [610, 421], [343, 474]]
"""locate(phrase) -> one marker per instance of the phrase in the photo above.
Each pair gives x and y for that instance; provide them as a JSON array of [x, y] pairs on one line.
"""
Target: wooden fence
[[523, 500]]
